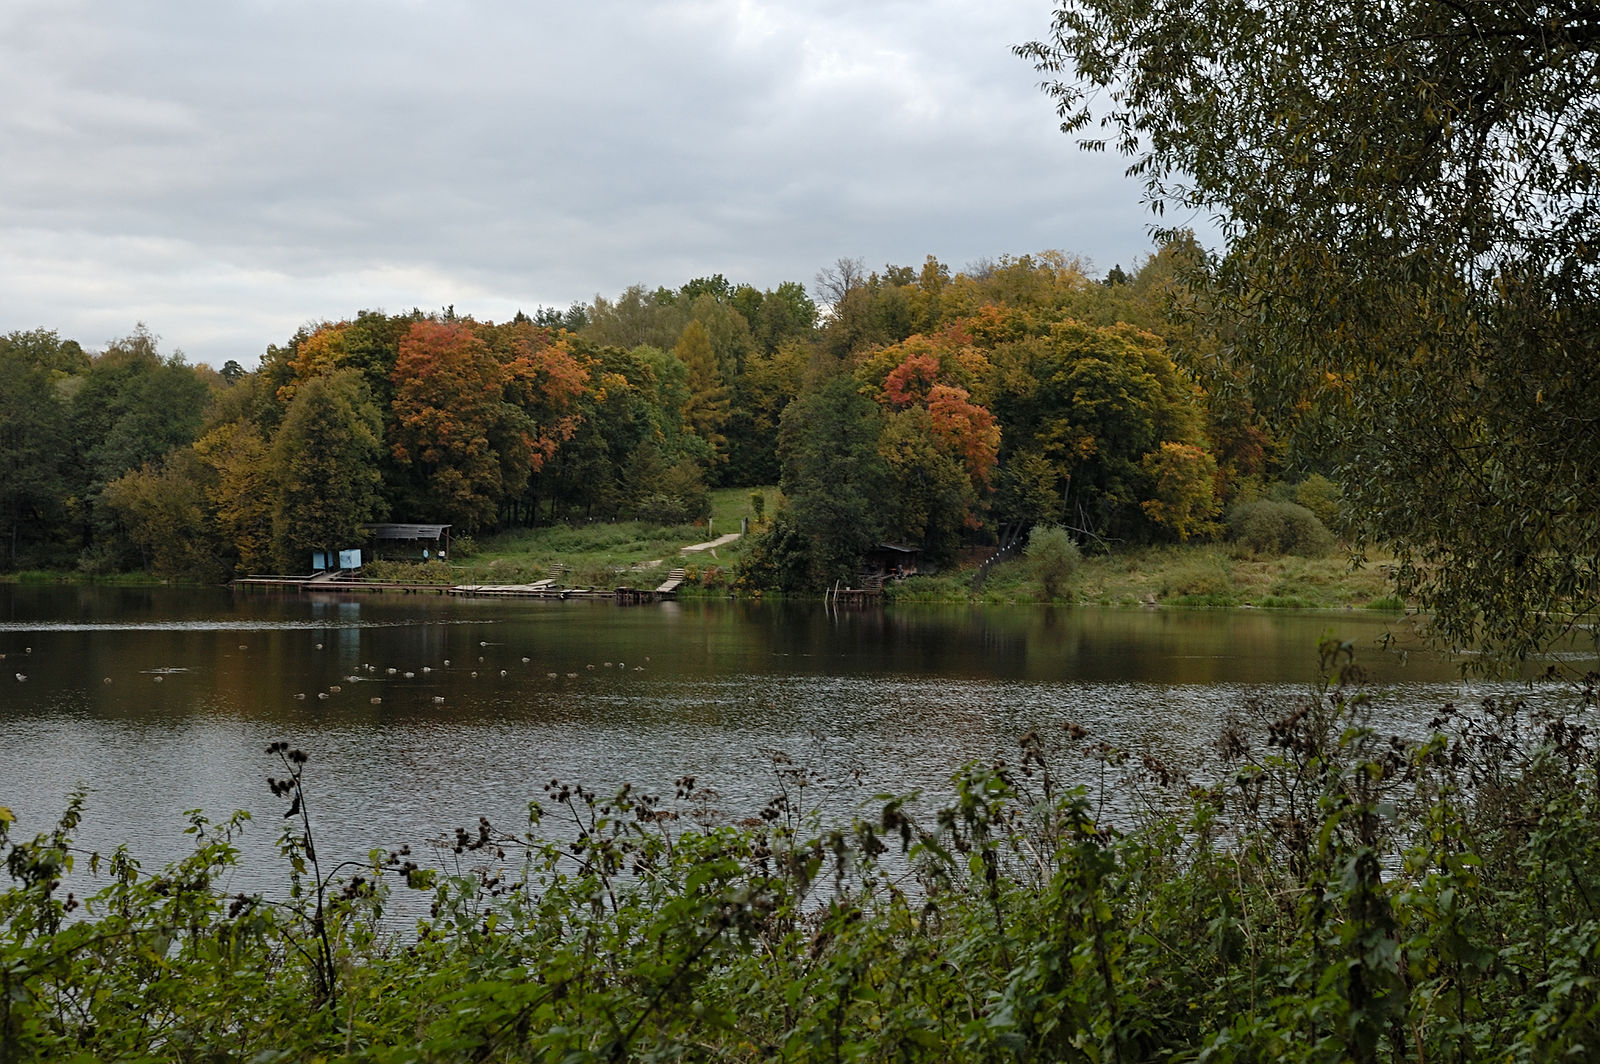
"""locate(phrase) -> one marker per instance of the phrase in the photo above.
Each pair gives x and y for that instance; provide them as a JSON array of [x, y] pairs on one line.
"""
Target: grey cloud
[[226, 172]]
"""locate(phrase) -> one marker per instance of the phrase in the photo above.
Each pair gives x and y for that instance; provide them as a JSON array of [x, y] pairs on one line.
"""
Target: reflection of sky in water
[[869, 703]]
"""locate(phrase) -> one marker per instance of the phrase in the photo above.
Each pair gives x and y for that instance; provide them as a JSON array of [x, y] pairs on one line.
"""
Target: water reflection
[[488, 700]]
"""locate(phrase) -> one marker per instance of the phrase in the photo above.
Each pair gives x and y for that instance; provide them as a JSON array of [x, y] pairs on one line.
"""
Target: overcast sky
[[227, 171]]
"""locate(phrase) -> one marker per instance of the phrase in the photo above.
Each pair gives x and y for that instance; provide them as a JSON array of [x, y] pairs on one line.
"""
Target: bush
[[678, 495], [1273, 528], [1322, 497], [1053, 556]]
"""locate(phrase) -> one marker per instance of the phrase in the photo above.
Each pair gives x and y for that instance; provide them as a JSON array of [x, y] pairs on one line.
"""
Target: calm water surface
[[161, 701]]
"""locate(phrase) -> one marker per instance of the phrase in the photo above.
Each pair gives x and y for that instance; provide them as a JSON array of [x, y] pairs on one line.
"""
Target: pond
[[421, 713]]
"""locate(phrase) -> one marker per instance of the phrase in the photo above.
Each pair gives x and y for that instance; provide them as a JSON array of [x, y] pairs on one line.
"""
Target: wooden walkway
[[340, 582]]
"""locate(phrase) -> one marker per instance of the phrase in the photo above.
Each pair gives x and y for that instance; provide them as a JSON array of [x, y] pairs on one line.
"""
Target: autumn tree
[[544, 380], [1183, 489], [618, 414], [940, 447], [241, 490], [448, 406], [167, 513]]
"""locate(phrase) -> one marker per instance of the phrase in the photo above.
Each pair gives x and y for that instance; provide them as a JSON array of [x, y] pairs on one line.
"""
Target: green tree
[[1092, 402], [834, 480], [33, 444], [133, 406], [637, 317], [706, 410], [1407, 191], [931, 498], [779, 314], [767, 385], [324, 463], [618, 414]]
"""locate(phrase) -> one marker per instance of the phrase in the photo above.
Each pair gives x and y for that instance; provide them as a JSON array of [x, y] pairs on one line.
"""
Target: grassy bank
[[609, 555], [1195, 575], [638, 554]]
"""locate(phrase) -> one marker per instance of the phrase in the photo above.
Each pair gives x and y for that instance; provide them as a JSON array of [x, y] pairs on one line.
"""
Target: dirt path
[[695, 548]]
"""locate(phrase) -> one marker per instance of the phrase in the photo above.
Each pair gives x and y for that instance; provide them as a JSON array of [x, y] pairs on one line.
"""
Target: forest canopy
[[925, 407]]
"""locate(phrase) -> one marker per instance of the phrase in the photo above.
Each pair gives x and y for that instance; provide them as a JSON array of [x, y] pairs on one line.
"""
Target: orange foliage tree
[[544, 381], [448, 404]]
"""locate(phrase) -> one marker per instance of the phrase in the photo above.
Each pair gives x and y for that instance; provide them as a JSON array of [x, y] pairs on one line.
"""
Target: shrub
[[1322, 497], [1053, 556], [1273, 528]]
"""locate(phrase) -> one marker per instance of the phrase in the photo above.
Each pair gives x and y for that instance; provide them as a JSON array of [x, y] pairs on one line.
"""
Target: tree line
[[921, 406]]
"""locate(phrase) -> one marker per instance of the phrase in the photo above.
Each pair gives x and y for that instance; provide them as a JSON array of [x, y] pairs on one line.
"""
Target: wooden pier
[[342, 582]]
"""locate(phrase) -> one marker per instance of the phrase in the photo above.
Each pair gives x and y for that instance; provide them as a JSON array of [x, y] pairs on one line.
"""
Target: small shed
[[891, 561], [409, 540]]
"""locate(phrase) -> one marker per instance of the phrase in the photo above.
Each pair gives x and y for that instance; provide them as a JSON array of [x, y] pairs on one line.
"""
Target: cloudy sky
[[226, 171]]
